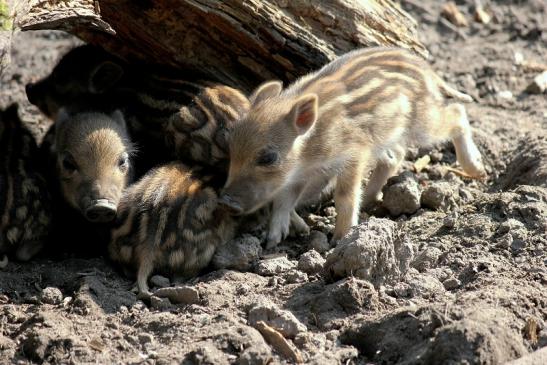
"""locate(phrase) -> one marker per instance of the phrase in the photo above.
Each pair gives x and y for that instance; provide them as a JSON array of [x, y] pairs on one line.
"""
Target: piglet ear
[[265, 91], [104, 77], [304, 113]]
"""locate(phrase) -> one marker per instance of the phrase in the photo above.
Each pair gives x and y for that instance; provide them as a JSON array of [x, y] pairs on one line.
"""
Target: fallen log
[[238, 42]]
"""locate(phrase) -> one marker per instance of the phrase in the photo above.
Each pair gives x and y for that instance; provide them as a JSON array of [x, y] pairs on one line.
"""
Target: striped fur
[[169, 222], [198, 132], [360, 111], [25, 207]]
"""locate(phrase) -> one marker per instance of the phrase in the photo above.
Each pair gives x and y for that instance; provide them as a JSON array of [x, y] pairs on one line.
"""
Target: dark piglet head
[[83, 72], [93, 162]]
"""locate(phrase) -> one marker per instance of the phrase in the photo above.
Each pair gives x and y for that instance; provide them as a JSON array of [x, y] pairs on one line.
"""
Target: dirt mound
[[528, 165]]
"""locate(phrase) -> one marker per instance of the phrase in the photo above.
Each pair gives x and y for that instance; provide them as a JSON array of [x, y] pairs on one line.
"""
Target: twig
[[278, 342], [461, 173], [452, 27]]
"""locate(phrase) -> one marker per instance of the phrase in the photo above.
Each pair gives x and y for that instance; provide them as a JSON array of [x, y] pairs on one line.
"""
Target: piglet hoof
[[272, 241], [144, 296], [300, 230]]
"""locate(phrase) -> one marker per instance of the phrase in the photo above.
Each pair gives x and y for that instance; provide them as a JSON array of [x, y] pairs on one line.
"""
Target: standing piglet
[[25, 206], [362, 110], [169, 222]]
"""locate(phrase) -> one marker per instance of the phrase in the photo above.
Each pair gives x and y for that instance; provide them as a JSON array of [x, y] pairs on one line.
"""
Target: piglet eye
[[123, 162], [267, 158], [69, 164]]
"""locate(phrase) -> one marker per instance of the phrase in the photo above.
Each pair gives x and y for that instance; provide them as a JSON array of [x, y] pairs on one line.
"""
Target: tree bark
[[238, 42]]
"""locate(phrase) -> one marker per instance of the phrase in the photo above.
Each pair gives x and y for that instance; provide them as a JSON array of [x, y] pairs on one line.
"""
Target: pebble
[[539, 84], [273, 266], [505, 241], [295, 276], [319, 241], [160, 281], [505, 95], [240, 253], [402, 195], [51, 295], [452, 283], [311, 262], [440, 195], [160, 303], [427, 258], [450, 220], [145, 338], [179, 294]]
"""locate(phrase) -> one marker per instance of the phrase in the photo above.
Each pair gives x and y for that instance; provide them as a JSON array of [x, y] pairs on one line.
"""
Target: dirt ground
[[458, 276]]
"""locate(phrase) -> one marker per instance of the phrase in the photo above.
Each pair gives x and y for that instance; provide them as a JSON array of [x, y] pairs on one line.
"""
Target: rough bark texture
[[239, 42]]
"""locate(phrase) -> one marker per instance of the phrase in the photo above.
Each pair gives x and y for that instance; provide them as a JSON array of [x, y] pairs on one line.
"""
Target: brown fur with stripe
[[25, 206], [169, 222], [360, 111], [198, 132]]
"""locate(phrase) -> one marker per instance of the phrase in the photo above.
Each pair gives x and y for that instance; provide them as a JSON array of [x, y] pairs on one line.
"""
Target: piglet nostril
[[228, 203], [101, 211]]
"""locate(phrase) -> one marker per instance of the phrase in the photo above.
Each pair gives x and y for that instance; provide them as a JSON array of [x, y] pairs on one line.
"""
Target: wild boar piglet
[[170, 222], [198, 131], [92, 160], [361, 110], [25, 205]]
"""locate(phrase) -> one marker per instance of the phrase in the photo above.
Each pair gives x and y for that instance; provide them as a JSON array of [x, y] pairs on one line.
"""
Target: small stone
[[509, 225], [402, 194], [518, 244], [505, 241], [505, 95], [311, 262], [243, 289], [401, 290], [424, 286], [481, 15], [440, 195], [452, 283], [295, 276], [160, 303], [450, 220], [436, 156], [427, 258], [51, 295], [145, 338], [160, 281], [240, 253], [273, 281], [465, 195], [273, 266], [319, 241], [518, 58], [179, 294], [539, 84], [283, 321]]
